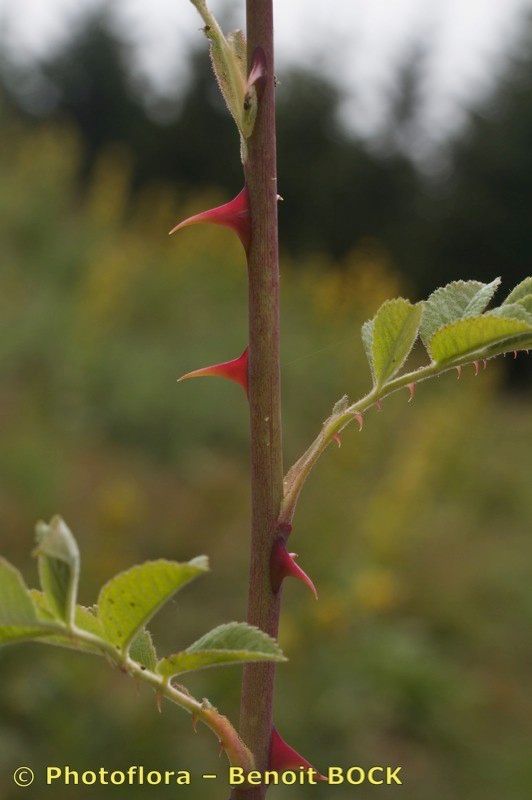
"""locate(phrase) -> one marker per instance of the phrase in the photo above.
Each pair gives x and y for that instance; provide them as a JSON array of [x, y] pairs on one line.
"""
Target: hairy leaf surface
[[394, 331], [457, 300], [233, 643], [472, 336]]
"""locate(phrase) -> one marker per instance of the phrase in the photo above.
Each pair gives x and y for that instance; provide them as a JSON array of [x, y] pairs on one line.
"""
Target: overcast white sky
[[361, 40]]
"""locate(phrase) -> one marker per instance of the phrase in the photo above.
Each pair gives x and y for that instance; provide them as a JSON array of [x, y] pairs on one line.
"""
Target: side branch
[[297, 475], [235, 749]]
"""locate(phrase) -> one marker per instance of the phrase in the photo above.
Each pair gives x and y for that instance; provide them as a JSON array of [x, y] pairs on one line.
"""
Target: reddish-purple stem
[[264, 393]]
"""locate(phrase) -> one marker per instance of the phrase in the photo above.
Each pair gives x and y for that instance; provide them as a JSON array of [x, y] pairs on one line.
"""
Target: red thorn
[[283, 565], [359, 418], [484, 363], [234, 214], [284, 758], [378, 404], [459, 371], [235, 370], [477, 367], [412, 390], [337, 439], [257, 73]]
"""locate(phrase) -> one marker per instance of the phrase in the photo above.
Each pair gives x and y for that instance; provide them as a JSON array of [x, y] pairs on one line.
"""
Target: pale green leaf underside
[[457, 300], [513, 311], [521, 291], [142, 650], [58, 558], [473, 335], [129, 600], [394, 332], [233, 643], [367, 341]]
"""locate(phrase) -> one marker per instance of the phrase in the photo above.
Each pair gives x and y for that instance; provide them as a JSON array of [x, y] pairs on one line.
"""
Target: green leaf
[[142, 650], [516, 310], [233, 643], [84, 618], [229, 63], [457, 300], [393, 333], [526, 303], [367, 341], [129, 600], [470, 337], [521, 291], [58, 558], [18, 615]]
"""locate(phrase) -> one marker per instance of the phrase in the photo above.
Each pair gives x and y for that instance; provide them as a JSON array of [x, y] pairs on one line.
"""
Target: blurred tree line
[[420, 643], [472, 219]]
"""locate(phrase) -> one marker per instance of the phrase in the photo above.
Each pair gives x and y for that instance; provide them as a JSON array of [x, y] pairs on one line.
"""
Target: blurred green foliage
[[416, 530]]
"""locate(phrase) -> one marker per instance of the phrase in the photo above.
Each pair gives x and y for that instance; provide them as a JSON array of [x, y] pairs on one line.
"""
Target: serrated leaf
[[129, 600], [18, 615], [521, 291], [473, 335], [513, 311], [16, 604], [394, 331], [229, 62], [367, 341], [341, 405], [233, 643], [142, 650], [526, 303], [457, 300], [58, 558]]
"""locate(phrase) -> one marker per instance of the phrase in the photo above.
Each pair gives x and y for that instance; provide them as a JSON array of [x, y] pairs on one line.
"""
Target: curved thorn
[[378, 404], [235, 370], [283, 565], [159, 702], [234, 214], [337, 438], [484, 363], [515, 353], [459, 372], [476, 366], [412, 390], [284, 758]]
